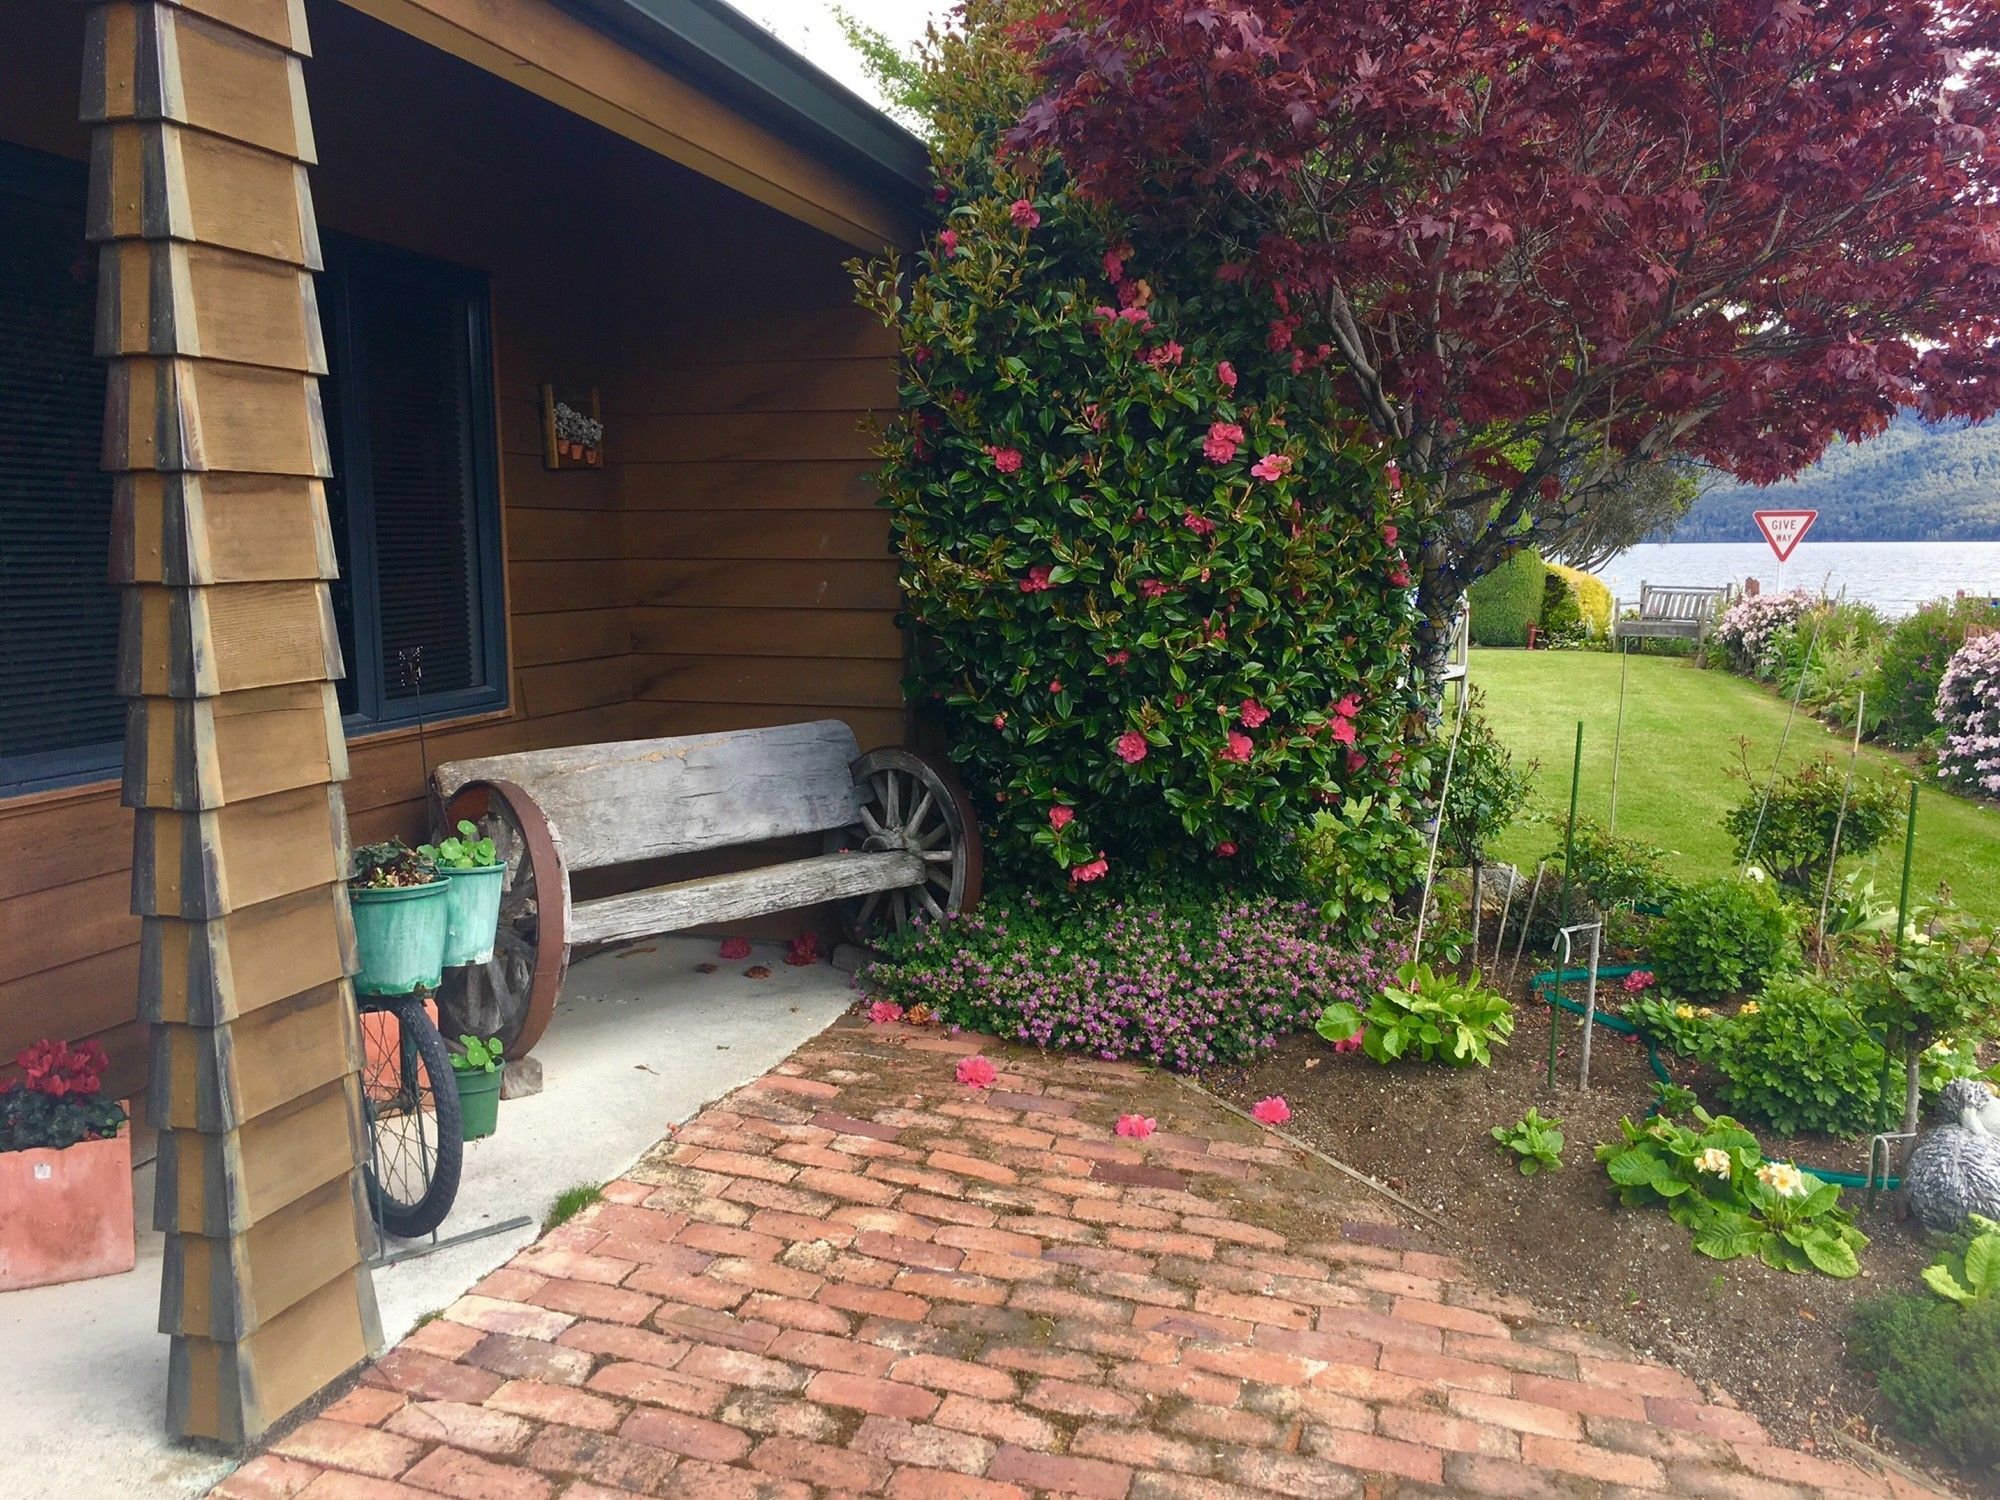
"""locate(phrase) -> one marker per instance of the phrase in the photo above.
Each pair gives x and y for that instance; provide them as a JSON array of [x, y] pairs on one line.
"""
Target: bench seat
[[746, 893]]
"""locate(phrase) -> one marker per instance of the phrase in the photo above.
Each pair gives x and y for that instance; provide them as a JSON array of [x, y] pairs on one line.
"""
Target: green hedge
[[1591, 596], [1508, 600]]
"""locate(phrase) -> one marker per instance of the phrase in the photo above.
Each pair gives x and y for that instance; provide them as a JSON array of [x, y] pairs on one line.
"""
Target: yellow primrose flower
[[1684, 1012], [1714, 1161], [1705, 1012], [1782, 1178], [1748, 1008]]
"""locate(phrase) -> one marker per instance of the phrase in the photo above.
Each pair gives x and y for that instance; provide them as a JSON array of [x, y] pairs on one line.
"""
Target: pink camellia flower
[[1638, 980], [1271, 1111], [1400, 576], [1093, 416], [1055, 684], [999, 721], [1114, 265], [1226, 849], [1137, 315], [949, 241], [1152, 588], [1223, 439], [976, 1072], [1253, 713], [1355, 761], [1104, 313], [1199, 525], [1006, 460], [1238, 749], [1348, 1043], [1135, 1127], [1272, 466], [1037, 580], [1022, 212], [734, 948], [882, 1012], [1116, 658], [1393, 472], [1089, 870], [1132, 747], [1348, 706], [1060, 816], [1165, 354], [1389, 535], [1343, 731], [1226, 373]]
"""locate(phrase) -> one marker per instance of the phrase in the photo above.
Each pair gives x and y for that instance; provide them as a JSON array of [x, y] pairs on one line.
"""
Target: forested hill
[[1913, 483]]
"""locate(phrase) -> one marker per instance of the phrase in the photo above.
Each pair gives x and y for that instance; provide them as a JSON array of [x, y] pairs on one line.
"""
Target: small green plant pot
[[479, 1101], [473, 914], [400, 932]]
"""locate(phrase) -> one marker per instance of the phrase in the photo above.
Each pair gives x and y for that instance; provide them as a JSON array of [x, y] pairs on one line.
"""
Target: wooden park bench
[[898, 840], [1678, 613]]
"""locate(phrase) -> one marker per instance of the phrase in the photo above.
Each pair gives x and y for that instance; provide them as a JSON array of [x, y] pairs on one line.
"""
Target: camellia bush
[[1155, 575], [1968, 711]]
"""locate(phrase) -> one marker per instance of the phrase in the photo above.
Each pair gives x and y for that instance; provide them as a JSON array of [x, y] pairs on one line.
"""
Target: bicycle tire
[[435, 1165]]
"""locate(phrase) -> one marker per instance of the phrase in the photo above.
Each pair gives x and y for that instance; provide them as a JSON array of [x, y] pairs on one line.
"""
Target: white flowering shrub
[[1968, 711], [1747, 626]]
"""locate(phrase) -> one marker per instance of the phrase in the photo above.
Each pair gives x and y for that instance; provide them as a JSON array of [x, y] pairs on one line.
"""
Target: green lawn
[[1681, 727]]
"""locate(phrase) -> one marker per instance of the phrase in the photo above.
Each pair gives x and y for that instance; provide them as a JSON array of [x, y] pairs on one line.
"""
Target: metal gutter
[[712, 44]]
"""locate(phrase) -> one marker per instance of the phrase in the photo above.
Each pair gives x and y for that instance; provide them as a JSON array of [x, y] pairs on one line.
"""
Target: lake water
[[1895, 577]]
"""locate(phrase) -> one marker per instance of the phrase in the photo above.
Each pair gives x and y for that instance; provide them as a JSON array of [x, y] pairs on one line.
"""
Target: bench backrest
[[1657, 603], [646, 799]]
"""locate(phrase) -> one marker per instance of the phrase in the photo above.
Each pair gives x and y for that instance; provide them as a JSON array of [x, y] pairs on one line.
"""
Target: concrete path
[[859, 1276], [640, 1040]]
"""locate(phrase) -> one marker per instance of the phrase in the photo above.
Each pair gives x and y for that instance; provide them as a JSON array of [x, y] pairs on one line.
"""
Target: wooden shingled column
[[234, 752]]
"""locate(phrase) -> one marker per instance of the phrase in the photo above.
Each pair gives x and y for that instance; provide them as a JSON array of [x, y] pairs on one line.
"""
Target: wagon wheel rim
[[531, 946], [905, 803]]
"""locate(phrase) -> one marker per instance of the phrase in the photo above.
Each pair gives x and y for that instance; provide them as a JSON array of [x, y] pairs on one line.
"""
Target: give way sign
[[1785, 529]]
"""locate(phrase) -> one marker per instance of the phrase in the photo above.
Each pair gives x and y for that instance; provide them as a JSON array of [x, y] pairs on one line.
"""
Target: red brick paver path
[[858, 1277]]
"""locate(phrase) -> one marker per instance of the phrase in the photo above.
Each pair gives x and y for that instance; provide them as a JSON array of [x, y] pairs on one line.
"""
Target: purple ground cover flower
[[1180, 982]]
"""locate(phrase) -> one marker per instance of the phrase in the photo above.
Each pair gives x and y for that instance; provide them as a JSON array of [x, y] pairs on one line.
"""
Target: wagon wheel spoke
[[930, 901], [936, 856], [906, 804], [868, 905], [513, 994]]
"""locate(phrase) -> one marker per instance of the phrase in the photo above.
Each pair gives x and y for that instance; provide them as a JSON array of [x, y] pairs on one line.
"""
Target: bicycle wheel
[[415, 1141]]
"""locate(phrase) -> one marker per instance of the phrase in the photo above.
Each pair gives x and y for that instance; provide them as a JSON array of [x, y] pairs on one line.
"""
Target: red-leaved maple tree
[[1542, 244]]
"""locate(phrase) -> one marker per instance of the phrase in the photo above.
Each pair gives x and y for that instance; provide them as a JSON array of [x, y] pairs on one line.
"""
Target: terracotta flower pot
[[66, 1215]]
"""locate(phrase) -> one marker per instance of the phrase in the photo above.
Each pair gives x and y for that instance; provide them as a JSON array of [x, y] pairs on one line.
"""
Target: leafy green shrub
[[1536, 1143], [1154, 574], [1360, 853], [1799, 1057], [1904, 687], [1938, 1366], [1795, 834], [1506, 601], [1935, 998], [1428, 1016], [1589, 596], [1712, 1179], [1971, 1274], [1182, 976], [1827, 657], [1677, 1025], [1607, 873], [1488, 791], [1723, 936]]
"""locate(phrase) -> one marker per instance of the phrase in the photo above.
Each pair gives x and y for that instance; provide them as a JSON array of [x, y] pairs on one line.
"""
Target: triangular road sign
[[1785, 529]]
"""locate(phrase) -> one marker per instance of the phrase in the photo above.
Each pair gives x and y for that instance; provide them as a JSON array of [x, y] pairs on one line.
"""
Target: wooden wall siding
[[733, 578], [198, 161]]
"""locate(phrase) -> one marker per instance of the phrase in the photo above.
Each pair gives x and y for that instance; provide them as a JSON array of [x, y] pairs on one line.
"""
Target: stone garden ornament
[[1954, 1172]]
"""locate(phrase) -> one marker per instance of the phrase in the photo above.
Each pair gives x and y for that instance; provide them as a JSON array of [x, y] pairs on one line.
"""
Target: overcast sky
[[808, 26]]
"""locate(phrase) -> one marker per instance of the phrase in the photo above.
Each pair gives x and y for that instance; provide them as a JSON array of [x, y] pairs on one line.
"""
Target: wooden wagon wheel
[[908, 802], [513, 994]]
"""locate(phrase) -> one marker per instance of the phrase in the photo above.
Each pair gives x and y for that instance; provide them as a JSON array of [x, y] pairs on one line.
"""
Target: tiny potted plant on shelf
[[472, 905], [400, 904], [65, 1171], [476, 1066]]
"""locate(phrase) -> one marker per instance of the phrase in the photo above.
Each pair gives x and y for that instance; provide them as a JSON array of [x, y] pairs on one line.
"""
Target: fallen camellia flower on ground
[[884, 1011], [976, 1072], [1135, 1127], [735, 947], [757, 971], [1348, 1043], [1271, 1111], [803, 950]]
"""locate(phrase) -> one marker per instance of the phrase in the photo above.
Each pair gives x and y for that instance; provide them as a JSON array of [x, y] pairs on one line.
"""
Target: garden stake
[[1437, 832], [1589, 1004], [1750, 854], [1569, 831], [1839, 821], [1534, 894], [1500, 937], [1618, 735], [1911, 1099]]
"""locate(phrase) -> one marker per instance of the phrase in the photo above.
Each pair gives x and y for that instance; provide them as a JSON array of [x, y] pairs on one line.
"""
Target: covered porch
[[312, 279]]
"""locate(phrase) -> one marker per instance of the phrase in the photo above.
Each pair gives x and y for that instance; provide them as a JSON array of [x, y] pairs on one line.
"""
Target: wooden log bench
[[1676, 613], [898, 840]]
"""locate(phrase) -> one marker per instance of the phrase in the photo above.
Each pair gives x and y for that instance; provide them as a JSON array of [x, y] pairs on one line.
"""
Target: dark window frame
[[374, 710]]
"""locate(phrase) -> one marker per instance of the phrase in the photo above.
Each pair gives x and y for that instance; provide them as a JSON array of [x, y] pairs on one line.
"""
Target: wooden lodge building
[[291, 292]]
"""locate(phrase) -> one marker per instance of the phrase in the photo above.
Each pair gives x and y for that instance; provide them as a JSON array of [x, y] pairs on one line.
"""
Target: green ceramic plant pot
[[400, 932], [479, 1101], [473, 914]]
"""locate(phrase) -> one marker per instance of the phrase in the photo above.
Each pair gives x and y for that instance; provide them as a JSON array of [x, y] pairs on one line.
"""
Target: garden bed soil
[[1773, 1342]]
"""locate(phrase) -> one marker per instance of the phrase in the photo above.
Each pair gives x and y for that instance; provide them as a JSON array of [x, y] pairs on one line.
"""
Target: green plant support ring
[[400, 932], [479, 1101], [473, 914]]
